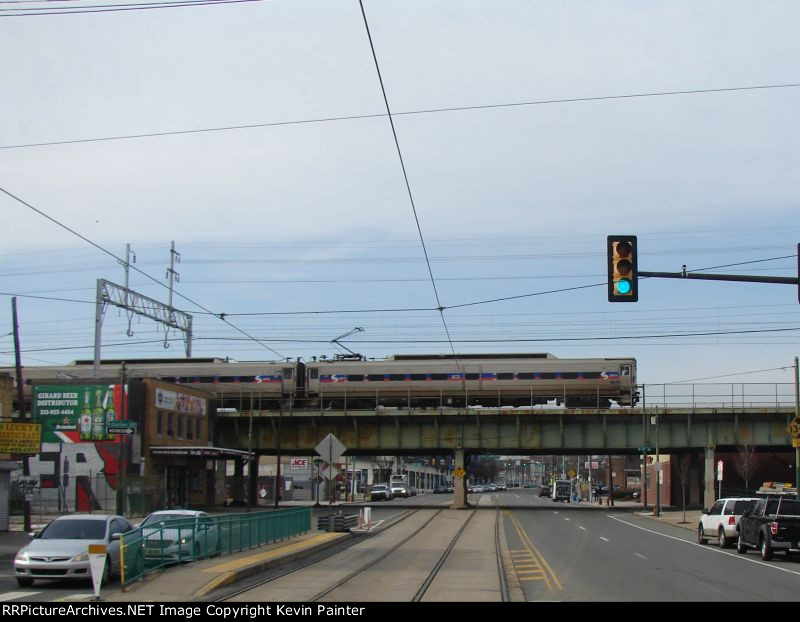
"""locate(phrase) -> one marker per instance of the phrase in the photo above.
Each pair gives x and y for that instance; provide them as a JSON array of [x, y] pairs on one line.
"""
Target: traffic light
[[622, 268]]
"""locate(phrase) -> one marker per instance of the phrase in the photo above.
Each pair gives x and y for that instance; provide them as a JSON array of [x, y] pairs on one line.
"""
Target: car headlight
[[81, 557], [185, 540], [22, 556]]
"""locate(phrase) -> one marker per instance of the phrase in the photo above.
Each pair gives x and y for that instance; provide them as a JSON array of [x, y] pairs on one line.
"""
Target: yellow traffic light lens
[[624, 267]]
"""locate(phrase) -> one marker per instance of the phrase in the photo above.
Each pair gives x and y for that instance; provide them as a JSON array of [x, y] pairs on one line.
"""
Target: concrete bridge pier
[[459, 483], [709, 489]]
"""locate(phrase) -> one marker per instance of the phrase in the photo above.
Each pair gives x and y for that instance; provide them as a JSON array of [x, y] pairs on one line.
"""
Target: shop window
[[197, 428], [180, 426], [189, 428], [171, 424], [160, 423]]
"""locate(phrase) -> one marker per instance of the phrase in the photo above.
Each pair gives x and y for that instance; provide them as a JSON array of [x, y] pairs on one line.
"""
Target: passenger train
[[398, 381]]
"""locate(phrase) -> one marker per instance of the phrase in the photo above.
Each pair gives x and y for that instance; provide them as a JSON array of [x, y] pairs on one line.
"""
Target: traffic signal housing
[[622, 268]]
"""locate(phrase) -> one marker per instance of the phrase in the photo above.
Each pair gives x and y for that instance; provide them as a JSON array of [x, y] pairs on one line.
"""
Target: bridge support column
[[709, 490], [459, 483]]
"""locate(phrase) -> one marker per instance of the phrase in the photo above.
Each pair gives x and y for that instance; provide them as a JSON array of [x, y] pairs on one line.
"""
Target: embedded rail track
[[422, 556]]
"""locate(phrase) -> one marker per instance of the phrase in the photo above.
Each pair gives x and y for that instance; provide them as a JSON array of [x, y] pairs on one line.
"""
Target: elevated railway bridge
[[670, 419]]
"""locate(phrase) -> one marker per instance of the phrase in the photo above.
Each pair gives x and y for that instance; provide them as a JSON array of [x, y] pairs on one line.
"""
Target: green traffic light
[[624, 286]]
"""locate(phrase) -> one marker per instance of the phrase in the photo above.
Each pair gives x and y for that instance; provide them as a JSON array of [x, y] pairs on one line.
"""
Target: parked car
[[60, 550], [544, 491], [442, 490], [774, 523], [412, 492], [722, 519], [380, 492], [170, 536]]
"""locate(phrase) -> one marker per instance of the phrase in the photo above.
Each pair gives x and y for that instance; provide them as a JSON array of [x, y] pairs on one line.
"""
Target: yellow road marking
[[548, 575]]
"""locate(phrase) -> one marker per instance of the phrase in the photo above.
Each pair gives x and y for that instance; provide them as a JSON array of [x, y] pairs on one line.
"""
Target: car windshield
[[379, 487], [157, 518], [75, 530]]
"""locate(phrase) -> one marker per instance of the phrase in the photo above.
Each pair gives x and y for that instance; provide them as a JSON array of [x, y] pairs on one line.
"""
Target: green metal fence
[[178, 540]]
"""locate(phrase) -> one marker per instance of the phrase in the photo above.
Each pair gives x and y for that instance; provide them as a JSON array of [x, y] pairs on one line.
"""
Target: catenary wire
[[440, 308], [221, 316], [405, 113]]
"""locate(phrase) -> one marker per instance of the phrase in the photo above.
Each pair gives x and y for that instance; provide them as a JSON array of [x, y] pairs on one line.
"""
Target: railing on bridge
[[665, 395], [718, 395]]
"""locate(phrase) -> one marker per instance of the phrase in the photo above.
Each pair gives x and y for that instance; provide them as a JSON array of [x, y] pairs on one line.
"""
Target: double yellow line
[[529, 564]]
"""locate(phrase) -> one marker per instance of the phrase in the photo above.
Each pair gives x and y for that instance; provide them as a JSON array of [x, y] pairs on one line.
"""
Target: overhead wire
[[404, 113], [440, 308], [119, 259]]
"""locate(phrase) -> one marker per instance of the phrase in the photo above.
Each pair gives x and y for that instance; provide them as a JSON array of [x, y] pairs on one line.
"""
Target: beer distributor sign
[[76, 413]]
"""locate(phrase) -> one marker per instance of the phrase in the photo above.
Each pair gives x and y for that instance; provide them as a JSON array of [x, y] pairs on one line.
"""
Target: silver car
[[179, 535], [60, 550]]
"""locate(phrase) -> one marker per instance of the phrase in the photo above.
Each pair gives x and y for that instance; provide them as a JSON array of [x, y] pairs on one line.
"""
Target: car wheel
[[766, 549], [701, 536], [24, 581], [741, 547], [724, 542]]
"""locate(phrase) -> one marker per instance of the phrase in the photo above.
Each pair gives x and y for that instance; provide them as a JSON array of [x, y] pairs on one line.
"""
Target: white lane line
[[642, 556], [606, 539], [566, 518], [714, 549], [13, 595], [579, 527]]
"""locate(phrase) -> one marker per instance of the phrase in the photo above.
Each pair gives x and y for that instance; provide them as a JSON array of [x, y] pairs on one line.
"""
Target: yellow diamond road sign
[[794, 428]]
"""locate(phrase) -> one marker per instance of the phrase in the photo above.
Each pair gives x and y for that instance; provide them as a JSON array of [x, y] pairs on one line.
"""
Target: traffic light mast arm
[[787, 280]]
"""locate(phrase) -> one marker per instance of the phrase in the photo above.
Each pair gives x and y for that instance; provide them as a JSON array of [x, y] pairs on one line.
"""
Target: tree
[[746, 462], [682, 469]]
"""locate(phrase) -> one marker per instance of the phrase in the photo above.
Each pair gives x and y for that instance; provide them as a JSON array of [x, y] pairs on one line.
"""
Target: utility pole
[[797, 416], [21, 408]]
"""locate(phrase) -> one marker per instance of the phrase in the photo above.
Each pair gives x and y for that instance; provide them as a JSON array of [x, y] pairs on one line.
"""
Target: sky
[[255, 136]]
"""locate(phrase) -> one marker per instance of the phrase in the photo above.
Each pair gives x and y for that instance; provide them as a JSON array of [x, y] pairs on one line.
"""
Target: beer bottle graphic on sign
[[98, 418], [111, 414], [85, 418]]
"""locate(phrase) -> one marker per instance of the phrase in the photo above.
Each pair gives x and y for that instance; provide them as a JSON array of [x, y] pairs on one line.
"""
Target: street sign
[[121, 427], [644, 450], [794, 427], [330, 449]]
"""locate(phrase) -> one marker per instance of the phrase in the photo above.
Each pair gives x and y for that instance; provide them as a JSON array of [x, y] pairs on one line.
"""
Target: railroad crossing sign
[[794, 428]]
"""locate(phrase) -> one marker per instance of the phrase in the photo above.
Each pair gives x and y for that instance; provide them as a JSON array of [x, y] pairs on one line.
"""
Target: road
[[574, 552], [553, 552]]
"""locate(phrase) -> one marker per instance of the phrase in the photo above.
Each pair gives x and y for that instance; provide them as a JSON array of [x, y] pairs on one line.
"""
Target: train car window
[[375, 377], [472, 376], [548, 375], [438, 376], [419, 376], [355, 377], [625, 370], [397, 377], [313, 373], [288, 373], [526, 375], [569, 375], [591, 375], [505, 376]]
